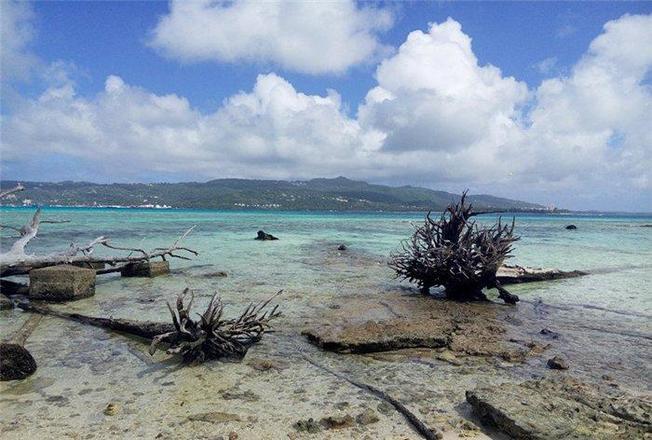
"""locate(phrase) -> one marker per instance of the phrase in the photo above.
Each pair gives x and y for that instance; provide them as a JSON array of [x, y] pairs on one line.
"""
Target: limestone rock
[[561, 409], [61, 283], [146, 269]]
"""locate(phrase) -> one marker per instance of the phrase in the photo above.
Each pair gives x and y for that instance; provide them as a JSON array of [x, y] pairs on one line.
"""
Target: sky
[[548, 102]]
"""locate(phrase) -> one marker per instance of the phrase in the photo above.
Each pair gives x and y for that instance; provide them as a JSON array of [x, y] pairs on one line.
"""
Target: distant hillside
[[316, 194]]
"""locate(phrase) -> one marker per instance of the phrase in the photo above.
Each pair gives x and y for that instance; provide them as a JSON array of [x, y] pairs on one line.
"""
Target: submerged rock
[[558, 363], [561, 409], [147, 269], [10, 288], [262, 235], [5, 303], [549, 333], [571, 227], [367, 417], [309, 426], [16, 363], [342, 247], [513, 274], [337, 422], [214, 417]]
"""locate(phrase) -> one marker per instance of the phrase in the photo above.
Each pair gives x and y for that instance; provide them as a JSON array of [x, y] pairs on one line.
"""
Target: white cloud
[[308, 37], [436, 117], [547, 65], [16, 32], [271, 131]]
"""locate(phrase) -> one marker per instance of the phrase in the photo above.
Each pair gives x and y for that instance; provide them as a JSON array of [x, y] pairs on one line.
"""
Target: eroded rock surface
[[562, 409], [471, 329]]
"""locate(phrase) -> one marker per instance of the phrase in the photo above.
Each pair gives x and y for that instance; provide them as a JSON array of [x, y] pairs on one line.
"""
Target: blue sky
[[104, 38], [199, 101]]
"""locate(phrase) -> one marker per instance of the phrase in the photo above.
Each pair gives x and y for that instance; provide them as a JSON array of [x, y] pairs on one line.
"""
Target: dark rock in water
[[341, 247], [146, 269], [16, 363], [309, 426], [5, 303], [218, 274], [549, 333], [571, 227], [262, 235], [558, 363], [337, 422], [367, 417], [10, 288], [561, 409], [646, 226]]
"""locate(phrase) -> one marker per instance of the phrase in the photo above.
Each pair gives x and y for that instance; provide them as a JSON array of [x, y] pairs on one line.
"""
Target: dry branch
[[455, 253], [16, 261], [17, 188], [211, 337]]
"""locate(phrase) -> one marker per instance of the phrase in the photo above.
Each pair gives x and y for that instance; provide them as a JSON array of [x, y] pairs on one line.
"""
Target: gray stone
[[561, 409], [145, 269], [558, 363], [61, 283], [5, 303]]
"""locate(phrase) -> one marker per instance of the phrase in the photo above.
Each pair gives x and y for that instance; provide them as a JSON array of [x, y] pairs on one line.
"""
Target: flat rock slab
[[512, 274], [146, 269], [61, 283], [470, 329], [562, 409]]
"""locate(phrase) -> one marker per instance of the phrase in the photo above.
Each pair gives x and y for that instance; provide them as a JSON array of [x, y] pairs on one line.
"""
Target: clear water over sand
[[606, 317]]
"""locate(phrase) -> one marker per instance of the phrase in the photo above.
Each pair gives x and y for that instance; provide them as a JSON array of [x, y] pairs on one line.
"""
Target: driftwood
[[16, 362], [413, 420], [6, 193], [211, 337], [455, 253], [17, 262]]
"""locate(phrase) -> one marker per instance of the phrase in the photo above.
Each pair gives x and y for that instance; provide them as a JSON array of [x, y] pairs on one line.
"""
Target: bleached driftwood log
[[16, 261], [8, 192]]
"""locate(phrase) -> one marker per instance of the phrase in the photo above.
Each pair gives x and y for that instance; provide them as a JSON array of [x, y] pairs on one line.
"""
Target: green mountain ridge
[[339, 194]]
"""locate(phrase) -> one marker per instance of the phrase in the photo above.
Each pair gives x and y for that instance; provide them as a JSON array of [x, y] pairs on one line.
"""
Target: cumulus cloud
[[272, 131], [308, 37], [435, 117], [433, 94], [16, 33]]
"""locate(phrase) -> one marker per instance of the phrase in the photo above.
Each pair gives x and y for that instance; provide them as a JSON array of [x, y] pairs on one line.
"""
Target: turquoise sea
[[616, 249], [604, 321]]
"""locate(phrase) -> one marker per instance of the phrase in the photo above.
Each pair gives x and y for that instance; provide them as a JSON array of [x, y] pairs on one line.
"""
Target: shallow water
[[82, 369]]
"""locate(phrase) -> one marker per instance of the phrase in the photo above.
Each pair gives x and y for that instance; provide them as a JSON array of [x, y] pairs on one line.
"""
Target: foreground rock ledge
[[469, 329], [562, 409]]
